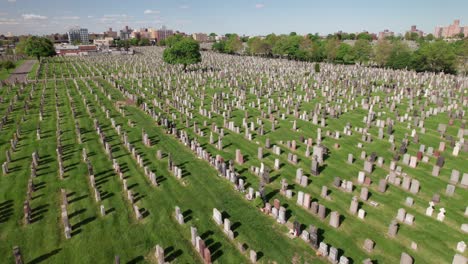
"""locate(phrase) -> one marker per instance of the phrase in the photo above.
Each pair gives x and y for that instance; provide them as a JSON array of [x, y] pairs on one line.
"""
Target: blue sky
[[240, 16]]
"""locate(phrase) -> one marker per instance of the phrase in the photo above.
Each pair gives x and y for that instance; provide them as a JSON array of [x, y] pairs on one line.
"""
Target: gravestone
[[382, 185], [364, 193], [335, 219], [368, 245], [406, 259], [321, 211], [450, 190], [393, 228]]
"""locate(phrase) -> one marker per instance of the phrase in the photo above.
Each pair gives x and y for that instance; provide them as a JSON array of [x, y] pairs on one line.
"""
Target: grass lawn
[[4, 74], [85, 92], [33, 72]]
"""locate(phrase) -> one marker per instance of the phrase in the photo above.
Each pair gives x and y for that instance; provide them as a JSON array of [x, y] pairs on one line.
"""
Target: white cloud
[[184, 7], [12, 1], [8, 21], [258, 6], [68, 17], [150, 12], [114, 18], [90, 16], [33, 17]]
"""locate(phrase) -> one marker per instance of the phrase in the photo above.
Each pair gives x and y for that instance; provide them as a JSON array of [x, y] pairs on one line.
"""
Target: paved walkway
[[21, 73]]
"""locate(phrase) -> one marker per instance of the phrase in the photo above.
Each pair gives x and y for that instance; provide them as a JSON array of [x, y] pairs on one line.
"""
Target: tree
[[400, 56], [144, 42], [382, 52], [185, 51], [306, 50], [233, 44], [313, 37], [317, 67], [345, 54], [257, 46], [430, 37], [126, 45], [170, 41], [20, 47], [134, 41], [461, 51], [162, 42], [411, 36], [8, 65], [365, 36], [219, 46], [331, 48], [362, 50], [39, 47], [438, 56]]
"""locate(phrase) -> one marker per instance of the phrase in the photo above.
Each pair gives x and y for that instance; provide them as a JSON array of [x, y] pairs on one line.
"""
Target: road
[[21, 73]]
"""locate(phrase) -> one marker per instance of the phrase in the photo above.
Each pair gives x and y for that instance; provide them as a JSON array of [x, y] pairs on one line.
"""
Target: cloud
[[150, 12], [33, 17], [12, 1], [114, 18], [258, 6], [68, 17], [8, 21], [184, 7]]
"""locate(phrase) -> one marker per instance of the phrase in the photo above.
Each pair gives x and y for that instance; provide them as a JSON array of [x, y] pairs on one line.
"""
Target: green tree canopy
[[400, 56], [382, 52], [258, 46], [345, 54], [170, 41], [219, 46], [438, 56], [38, 47], [331, 48], [233, 44], [185, 51], [362, 50], [364, 35], [144, 42], [8, 65]]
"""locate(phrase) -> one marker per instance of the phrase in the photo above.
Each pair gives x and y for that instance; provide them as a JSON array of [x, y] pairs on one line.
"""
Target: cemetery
[[236, 159]]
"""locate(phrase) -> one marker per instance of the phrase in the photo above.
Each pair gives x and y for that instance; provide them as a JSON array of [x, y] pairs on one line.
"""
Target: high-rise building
[[125, 33], [386, 33], [110, 33], [78, 35], [200, 37], [414, 29], [450, 30], [163, 33]]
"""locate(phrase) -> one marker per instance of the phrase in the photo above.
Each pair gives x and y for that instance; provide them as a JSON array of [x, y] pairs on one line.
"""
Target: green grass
[[32, 73], [4, 74]]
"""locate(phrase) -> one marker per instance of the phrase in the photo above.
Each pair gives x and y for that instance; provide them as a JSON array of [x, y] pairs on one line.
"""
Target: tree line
[[393, 52]]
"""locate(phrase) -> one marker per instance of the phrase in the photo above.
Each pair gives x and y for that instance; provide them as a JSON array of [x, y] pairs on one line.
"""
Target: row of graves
[[183, 103], [399, 112]]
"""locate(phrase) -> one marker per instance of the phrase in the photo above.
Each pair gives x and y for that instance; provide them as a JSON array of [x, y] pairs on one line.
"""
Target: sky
[[249, 17]]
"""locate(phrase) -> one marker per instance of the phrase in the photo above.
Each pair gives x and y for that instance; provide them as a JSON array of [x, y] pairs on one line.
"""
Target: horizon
[[23, 17]]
